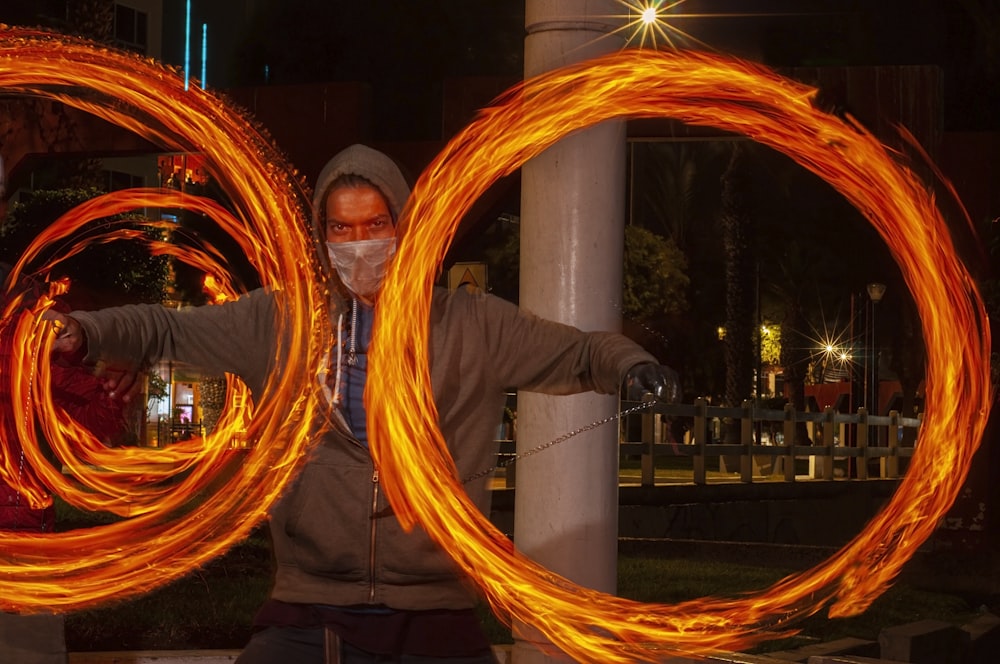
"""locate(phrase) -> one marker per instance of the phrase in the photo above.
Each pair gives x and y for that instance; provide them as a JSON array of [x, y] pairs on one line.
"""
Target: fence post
[[862, 443], [746, 438], [789, 433], [700, 439], [828, 428], [890, 464], [651, 432]]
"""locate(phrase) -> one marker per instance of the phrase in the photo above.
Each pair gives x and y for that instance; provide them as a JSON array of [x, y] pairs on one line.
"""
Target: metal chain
[[561, 439], [655, 333], [17, 494], [27, 423]]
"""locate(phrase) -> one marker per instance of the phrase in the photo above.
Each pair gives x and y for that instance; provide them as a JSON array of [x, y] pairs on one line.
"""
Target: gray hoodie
[[336, 541]]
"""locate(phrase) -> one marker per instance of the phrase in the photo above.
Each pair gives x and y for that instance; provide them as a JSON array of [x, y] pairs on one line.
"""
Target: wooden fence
[[766, 449]]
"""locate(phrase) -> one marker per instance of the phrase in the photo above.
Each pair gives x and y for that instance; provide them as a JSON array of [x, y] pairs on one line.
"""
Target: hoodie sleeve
[[538, 355], [237, 337]]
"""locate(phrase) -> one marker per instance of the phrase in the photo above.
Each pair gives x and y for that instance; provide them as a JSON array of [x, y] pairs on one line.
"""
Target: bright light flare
[[165, 533], [646, 21], [657, 23], [831, 346], [713, 91]]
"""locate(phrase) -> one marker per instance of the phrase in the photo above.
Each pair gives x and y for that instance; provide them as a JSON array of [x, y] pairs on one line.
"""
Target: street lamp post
[[875, 293]]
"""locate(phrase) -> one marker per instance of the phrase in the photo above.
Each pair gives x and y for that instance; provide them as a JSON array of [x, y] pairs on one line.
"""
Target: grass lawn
[[209, 608], [674, 580], [213, 607]]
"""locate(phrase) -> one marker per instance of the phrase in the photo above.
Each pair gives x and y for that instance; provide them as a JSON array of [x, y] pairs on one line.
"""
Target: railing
[[843, 445]]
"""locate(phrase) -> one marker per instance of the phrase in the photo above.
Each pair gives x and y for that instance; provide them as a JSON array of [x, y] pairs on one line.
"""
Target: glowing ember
[[711, 91], [166, 533]]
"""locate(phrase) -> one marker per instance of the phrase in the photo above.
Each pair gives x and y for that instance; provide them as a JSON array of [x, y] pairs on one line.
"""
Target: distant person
[[351, 586], [40, 638]]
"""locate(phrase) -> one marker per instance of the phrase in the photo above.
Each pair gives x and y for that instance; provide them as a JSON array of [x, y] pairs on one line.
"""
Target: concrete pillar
[[572, 229]]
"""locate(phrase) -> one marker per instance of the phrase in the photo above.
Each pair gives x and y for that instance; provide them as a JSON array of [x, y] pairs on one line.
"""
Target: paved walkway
[[191, 657]]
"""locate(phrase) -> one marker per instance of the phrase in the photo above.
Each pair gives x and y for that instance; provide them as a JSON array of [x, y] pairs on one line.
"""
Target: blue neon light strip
[[204, 55], [187, 45]]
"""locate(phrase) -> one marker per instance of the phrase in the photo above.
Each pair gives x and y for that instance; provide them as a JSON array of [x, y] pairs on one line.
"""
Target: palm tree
[[675, 193], [737, 233], [736, 224]]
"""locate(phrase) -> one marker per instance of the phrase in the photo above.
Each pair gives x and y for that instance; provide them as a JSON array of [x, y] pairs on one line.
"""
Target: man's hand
[[70, 338], [120, 382], [650, 378]]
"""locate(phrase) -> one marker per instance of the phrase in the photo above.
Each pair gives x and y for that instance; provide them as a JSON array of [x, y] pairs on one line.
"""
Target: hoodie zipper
[[352, 351], [373, 520]]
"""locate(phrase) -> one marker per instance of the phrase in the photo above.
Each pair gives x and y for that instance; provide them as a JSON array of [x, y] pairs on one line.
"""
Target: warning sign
[[469, 275]]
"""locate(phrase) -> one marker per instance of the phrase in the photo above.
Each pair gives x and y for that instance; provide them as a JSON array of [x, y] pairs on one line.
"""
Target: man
[[351, 585]]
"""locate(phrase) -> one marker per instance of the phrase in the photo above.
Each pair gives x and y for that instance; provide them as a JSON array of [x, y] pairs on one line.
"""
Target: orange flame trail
[[80, 568], [166, 530], [713, 91], [129, 481]]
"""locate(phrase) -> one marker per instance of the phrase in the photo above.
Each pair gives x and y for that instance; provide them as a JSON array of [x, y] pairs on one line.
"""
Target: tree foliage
[[770, 344], [120, 270], [655, 279], [503, 257]]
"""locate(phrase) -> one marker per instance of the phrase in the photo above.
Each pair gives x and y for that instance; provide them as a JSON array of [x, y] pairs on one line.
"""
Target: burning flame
[[81, 568], [158, 538], [713, 91]]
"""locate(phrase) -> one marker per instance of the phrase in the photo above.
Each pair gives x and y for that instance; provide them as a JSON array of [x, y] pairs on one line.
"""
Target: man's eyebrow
[[334, 220]]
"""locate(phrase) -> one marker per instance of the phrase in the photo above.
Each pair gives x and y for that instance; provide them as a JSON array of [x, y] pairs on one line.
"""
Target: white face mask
[[361, 264]]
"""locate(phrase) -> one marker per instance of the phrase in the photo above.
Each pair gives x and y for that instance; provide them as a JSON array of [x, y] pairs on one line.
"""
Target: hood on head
[[374, 166], [370, 164]]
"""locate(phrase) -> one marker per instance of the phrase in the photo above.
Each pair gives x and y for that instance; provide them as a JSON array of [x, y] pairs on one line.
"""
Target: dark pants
[[285, 645]]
